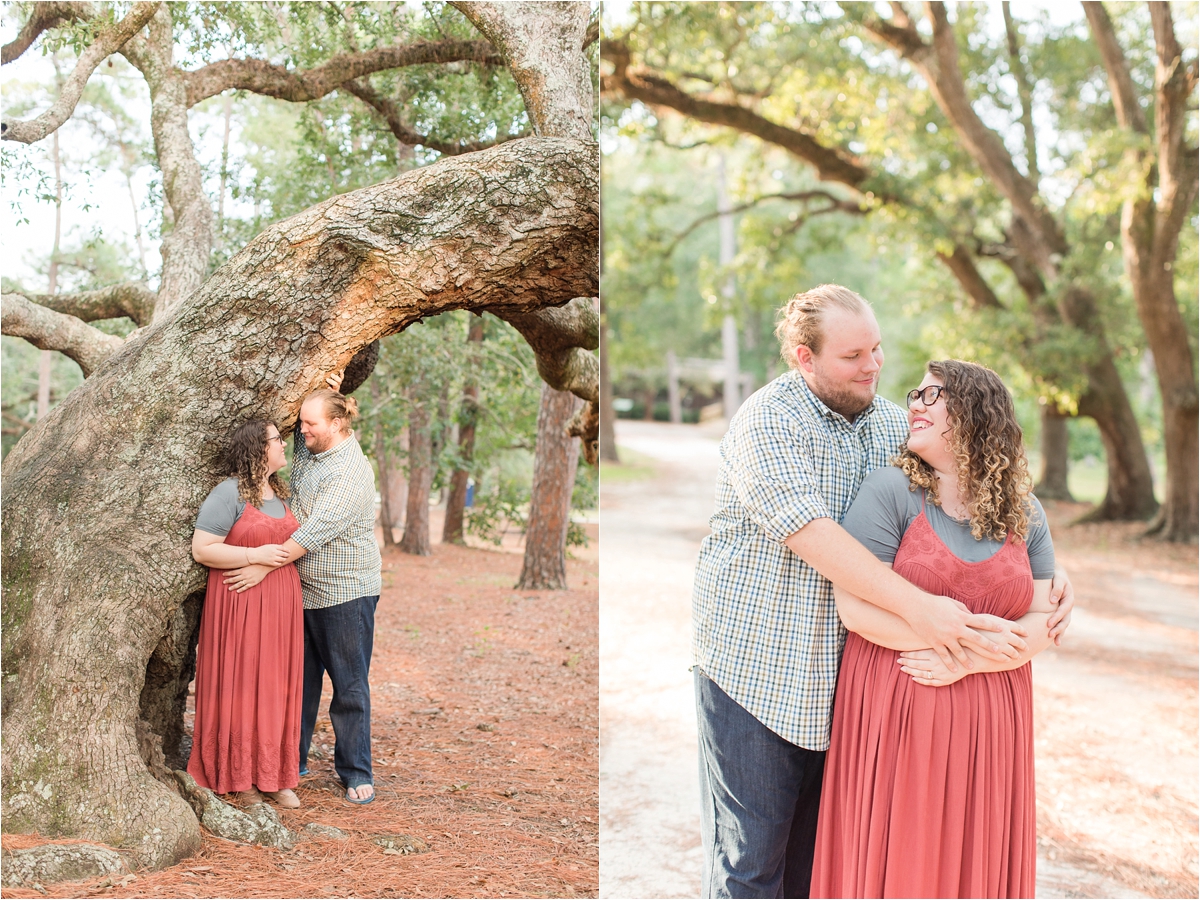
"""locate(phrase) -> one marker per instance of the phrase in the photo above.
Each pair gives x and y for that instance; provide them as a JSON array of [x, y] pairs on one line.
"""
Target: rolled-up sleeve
[[774, 479]]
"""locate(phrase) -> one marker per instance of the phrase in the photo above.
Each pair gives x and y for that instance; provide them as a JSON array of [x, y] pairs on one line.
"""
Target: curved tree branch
[[271, 80], [962, 267], [655, 90], [562, 339], [49, 330], [43, 17], [390, 110], [132, 299], [108, 41], [836, 204]]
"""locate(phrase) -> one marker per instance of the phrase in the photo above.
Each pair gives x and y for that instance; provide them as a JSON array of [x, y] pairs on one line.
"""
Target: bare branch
[[44, 17], [655, 90], [593, 31], [49, 330], [390, 110], [132, 299], [1120, 83], [835, 204], [270, 80], [1024, 93], [108, 41]]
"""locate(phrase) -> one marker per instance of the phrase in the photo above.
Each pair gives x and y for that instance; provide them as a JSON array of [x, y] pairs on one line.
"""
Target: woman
[[928, 788], [250, 658]]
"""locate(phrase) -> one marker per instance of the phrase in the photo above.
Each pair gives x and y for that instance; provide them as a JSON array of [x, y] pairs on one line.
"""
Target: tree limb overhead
[[50, 330], [43, 17], [132, 299], [108, 41], [390, 110], [272, 80], [655, 90]]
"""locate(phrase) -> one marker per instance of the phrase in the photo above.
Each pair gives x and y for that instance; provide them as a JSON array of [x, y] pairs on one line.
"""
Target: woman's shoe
[[248, 798], [285, 799]]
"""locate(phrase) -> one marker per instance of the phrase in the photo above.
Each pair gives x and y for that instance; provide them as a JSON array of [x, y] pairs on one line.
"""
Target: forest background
[[816, 128]]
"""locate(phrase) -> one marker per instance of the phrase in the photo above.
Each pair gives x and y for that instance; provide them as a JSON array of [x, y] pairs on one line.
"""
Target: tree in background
[[926, 124], [101, 597]]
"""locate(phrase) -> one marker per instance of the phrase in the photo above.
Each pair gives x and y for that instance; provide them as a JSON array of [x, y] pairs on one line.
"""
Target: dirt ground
[[1115, 706], [485, 740]]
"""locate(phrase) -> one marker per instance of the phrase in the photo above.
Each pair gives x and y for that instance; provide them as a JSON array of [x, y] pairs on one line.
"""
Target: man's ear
[[804, 358]]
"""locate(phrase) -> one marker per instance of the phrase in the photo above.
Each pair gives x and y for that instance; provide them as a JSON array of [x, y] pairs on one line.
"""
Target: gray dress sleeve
[[1038, 542], [881, 512], [220, 509]]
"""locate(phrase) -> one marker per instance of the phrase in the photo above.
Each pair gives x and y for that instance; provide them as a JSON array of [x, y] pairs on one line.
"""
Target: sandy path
[[1116, 708]]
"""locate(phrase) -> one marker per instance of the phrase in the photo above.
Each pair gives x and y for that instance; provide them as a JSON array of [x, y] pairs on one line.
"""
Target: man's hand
[[1062, 595], [334, 379], [273, 555], [239, 580], [950, 627]]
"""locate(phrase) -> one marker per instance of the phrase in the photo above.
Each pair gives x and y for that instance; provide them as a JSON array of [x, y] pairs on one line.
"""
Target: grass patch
[[632, 467]]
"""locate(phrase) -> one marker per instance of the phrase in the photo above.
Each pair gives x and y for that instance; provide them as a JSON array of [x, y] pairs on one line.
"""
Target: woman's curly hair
[[246, 459], [985, 438]]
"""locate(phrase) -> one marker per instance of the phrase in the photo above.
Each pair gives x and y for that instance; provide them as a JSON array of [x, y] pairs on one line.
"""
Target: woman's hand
[[927, 668], [273, 555], [239, 580]]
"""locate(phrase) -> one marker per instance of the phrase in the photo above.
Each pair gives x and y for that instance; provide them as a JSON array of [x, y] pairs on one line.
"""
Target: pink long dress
[[249, 672], [929, 791]]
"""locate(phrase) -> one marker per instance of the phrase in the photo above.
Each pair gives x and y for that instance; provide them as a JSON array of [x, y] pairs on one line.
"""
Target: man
[[333, 498], [766, 636]]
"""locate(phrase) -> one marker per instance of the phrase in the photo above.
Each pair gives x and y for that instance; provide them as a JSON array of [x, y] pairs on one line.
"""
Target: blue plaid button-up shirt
[[764, 624]]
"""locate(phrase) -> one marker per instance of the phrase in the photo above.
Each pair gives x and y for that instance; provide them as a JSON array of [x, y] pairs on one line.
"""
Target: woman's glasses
[[928, 396], [279, 437]]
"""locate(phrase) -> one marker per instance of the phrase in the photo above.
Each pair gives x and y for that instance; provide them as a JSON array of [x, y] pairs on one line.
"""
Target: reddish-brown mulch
[[485, 733]]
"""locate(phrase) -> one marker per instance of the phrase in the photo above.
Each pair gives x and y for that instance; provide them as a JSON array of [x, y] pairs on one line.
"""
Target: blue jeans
[[758, 797], [338, 640]]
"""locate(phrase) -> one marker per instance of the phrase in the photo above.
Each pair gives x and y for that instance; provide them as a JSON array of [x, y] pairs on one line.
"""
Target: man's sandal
[[362, 801]]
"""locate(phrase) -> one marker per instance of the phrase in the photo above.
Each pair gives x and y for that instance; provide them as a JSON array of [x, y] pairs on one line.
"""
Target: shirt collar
[[818, 407]]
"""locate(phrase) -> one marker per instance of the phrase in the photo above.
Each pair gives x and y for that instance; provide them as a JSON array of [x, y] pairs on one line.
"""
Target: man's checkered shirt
[[333, 498], [764, 624]]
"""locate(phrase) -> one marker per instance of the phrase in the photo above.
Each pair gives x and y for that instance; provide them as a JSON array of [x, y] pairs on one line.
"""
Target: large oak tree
[[101, 597]]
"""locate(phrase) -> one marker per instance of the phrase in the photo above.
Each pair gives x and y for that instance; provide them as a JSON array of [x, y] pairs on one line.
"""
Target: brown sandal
[[248, 798]]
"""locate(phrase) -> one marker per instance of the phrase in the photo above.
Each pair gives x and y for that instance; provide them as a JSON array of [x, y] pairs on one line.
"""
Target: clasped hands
[[261, 561]]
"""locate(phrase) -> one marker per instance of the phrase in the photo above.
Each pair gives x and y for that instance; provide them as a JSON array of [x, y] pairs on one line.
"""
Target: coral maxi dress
[[249, 672], [928, 791]]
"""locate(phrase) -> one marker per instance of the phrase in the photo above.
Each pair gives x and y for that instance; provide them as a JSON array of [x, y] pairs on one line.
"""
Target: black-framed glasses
[[278, 437], [928, 395]]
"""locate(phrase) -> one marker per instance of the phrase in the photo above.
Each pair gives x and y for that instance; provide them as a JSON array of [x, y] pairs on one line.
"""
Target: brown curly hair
[[993, 473], [246, 458]]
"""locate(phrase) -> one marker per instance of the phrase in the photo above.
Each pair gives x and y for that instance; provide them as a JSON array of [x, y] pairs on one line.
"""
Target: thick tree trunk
[[393, 488], [1052, 483], [100, 593], [557, 457], [452, 529], [420, 480]]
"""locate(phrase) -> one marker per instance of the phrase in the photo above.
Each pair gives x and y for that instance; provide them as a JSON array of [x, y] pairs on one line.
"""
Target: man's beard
[[840, 399], [316, 445]]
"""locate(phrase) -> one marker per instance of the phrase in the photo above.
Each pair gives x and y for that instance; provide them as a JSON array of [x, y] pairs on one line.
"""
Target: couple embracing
[[901, 765], [292, 592]]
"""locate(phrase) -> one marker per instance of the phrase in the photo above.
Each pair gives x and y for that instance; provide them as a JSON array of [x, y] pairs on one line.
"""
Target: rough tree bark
[[420, 480], [101, 597], [452, 528], [544, 566], [393, 488]]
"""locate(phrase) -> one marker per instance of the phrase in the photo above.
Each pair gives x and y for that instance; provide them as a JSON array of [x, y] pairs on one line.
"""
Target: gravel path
[[1116, 708]]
